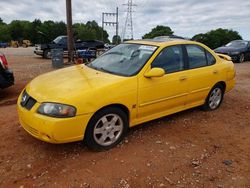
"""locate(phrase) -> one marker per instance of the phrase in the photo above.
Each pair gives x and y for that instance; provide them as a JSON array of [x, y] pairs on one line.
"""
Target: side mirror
[[155, 72]]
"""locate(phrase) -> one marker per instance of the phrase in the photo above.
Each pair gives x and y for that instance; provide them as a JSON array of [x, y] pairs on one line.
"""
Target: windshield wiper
[[100, 69], [104, 70], [91, 66], [112, 53]]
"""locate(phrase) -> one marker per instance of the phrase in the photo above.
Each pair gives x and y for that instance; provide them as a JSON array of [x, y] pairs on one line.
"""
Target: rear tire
[[241, 58], [106, 129], [214, 98]]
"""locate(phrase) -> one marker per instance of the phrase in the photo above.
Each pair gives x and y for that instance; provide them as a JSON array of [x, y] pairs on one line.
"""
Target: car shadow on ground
[[132, 135]]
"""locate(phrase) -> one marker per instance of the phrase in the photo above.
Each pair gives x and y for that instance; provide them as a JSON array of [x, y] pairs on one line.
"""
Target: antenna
[[128, 28]]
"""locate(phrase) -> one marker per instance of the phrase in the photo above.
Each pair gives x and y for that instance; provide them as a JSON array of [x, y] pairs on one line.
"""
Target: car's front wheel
[[214, 98], [106, 129], [241, 58], [47, 54]]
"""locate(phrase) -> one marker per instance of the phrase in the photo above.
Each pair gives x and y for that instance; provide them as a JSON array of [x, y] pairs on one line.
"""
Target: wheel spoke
[[218, 92], [112, 136], [117, 128], [99, 130], [104, 120], [103, 138], [114, 120], [212, 104]]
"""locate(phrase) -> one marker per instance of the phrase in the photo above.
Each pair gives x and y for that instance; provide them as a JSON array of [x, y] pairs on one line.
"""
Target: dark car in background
[[3, 44], [6, 75], [238, 50], [60, 42]]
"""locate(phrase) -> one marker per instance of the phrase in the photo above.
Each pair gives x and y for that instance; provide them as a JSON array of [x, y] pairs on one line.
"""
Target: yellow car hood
[[68, 83]]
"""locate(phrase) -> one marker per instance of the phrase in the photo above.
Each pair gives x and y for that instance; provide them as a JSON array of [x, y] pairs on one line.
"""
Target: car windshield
[[124, 59], [237, 44], [58, 39]]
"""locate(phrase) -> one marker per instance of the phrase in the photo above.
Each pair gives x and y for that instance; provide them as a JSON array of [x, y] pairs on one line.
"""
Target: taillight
[[3, 62]]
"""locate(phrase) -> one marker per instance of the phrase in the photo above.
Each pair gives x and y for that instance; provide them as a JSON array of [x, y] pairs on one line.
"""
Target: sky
[[185, 17]]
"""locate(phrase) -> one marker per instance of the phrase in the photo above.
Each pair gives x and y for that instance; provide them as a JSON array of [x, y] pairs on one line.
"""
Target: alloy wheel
[[215, 98], [108, 129], [242, 58]]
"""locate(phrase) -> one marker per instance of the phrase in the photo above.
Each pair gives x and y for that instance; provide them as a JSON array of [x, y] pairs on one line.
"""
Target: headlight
[[57, 110], [234, 53]]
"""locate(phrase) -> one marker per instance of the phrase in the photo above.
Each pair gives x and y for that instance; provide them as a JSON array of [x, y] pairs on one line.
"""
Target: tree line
[[43, 32], [213, 39]]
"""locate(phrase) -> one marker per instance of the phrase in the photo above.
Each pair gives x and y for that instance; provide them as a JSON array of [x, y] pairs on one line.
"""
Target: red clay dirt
[[189, 149]]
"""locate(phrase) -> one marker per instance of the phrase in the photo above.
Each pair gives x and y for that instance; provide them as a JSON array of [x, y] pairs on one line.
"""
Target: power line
[[128, 28], [110, 23]]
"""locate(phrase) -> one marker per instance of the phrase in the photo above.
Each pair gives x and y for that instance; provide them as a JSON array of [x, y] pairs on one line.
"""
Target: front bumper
[[38, 52], [235, 57], [52, 130], [6, 79]]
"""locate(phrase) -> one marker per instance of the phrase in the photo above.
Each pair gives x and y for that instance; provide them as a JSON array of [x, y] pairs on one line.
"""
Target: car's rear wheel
[[241, 58], [214, 98], [106, 129]]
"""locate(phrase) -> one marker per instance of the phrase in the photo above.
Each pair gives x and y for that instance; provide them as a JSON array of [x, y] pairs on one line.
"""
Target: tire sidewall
[[89, 133]]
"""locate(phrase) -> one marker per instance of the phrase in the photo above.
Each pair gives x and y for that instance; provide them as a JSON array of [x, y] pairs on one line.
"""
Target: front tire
[[47, 54], [214, 98], [106, 129]]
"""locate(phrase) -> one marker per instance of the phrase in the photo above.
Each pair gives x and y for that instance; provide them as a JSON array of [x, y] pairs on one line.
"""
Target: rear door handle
[[183, 78]]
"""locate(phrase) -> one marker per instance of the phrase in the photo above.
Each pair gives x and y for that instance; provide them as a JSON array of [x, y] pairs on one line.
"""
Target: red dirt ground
[[189, 149]]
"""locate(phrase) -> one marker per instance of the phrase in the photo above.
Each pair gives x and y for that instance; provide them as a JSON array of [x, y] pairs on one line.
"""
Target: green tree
[[90, 30], [35, 36], [217, 38], [4, 33], [158, 31], [44, 32], [116, 39], [1, 22], [50, 30], [20, 30]]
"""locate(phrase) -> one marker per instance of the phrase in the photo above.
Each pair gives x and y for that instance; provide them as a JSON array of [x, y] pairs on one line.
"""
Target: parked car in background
[[6, 75], [238, 50], [3, 44], [130, 84], [44, 50]]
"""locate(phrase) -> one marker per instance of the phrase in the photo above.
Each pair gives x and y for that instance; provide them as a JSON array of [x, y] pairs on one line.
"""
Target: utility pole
[[111, 23], [129, 21], [69, 31]]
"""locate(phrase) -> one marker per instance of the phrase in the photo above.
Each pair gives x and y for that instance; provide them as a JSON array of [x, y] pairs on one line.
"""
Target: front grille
[[27, 101]]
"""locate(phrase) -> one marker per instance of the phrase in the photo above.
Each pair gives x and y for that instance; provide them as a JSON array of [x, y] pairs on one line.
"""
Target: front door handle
[[183, 78], [215, 72]]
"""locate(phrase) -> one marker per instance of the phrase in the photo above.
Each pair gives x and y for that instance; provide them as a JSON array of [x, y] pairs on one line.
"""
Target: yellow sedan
[[132, 83]]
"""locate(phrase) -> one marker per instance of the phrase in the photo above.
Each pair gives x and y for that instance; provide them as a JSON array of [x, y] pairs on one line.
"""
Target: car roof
[[241, 40], [162, 41]]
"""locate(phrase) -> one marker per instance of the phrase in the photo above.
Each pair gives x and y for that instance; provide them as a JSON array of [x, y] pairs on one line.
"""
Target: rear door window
[[196, 56], [210, 58]]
